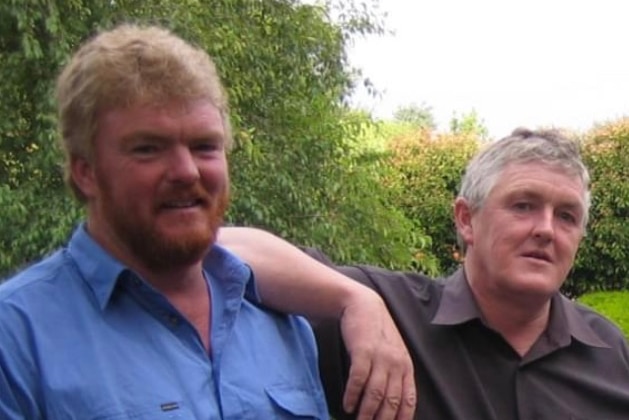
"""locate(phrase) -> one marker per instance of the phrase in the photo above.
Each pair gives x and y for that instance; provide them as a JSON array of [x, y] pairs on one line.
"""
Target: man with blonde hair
[[496, 340], [142, 316]]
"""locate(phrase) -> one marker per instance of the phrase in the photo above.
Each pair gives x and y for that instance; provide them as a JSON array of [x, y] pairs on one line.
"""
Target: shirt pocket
[[295, 403]]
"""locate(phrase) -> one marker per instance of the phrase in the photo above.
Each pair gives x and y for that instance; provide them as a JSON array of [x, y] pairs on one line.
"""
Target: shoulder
[[604, 328], [36, 279], [372, 275], [393, 284], [38, 299]]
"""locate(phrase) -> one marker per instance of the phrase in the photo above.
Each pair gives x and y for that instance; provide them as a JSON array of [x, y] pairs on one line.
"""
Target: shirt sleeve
[[17, 369], [16, 402], [9, 408], [318, 255]]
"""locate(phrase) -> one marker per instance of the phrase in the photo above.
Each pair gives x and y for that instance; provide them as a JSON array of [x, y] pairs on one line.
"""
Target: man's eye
[[205, 147], [568, 217], [144, 149], [523, 206]]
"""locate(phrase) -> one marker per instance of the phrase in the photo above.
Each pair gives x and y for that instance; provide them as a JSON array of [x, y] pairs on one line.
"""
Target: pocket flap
[[299, 402]]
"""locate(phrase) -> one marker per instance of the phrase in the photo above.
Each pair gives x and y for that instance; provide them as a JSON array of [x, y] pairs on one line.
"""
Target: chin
[[538, 285]]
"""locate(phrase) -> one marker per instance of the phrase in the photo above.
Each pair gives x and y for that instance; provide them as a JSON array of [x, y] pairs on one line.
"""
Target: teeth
[[182, 204]]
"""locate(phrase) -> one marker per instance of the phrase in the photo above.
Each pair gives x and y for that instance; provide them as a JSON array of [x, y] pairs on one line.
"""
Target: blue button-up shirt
[[83, 337]]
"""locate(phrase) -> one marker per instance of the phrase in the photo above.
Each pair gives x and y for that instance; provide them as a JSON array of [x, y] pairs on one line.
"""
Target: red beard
[[160, 251]]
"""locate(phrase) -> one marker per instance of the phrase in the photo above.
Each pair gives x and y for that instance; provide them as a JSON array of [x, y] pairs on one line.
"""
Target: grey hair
[[549, 147]]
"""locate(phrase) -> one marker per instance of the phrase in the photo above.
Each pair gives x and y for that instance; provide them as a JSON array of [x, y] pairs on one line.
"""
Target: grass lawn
[[614, 305]]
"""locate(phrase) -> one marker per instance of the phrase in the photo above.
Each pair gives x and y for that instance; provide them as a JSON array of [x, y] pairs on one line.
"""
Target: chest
[[131, 362], [469, 372]]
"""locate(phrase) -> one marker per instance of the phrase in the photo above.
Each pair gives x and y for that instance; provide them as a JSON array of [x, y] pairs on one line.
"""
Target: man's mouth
[[538, 255], [183, 204]]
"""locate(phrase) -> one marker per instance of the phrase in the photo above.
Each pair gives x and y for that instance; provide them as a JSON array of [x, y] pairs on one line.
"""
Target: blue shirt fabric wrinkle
[[84, 337]]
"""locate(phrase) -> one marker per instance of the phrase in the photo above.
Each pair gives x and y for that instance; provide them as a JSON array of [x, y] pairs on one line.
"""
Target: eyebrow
[[529, 193], [212, 135], [145, 135]]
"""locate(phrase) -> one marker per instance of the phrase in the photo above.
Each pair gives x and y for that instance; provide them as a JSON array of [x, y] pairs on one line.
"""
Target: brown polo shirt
[[578, 369]]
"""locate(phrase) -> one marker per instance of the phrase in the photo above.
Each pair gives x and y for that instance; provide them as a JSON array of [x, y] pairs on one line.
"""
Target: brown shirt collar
[[457, 306]]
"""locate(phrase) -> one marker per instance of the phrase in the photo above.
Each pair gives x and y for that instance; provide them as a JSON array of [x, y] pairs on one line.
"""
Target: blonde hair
[[126, 66]]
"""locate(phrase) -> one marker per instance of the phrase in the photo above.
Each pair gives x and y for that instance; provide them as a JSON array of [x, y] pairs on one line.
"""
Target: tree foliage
[[418, 116], [295, 168], [304, 165], [469, 124]]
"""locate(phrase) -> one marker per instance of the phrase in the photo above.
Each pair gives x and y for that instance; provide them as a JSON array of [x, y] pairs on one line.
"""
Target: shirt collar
[[99, 269], [457, 306], [231, 273], [577, 325]]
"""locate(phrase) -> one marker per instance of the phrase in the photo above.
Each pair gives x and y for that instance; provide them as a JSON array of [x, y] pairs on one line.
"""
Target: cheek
[[502, 238], [566, 250], [571, 246], [216, 176]]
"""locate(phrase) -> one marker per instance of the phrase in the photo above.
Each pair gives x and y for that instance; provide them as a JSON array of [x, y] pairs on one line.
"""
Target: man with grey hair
[[496, 340], [142, 316]]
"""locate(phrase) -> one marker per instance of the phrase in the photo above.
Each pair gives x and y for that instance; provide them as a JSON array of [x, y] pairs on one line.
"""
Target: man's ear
[[463, 220], [82, 173]]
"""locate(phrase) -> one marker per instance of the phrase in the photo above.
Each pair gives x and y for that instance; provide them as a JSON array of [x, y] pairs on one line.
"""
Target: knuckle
[[358, 377], [376, 394], [393, 402], [410, 399]]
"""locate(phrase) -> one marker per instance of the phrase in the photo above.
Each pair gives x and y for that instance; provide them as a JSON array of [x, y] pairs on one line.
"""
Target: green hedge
[[611, 304], [603, 259], [428, 172]]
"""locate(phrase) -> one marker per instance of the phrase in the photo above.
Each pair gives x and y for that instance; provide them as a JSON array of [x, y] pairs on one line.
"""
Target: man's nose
[[182, 166], [544, 227]]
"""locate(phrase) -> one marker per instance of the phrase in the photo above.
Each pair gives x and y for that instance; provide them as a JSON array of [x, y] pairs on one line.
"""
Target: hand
[[381, 374]]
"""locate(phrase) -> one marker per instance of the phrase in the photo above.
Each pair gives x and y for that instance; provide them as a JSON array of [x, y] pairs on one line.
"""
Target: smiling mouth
[[183, 204]]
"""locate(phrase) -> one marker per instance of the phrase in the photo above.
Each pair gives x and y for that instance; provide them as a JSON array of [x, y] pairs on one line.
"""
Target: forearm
[[288, 280]]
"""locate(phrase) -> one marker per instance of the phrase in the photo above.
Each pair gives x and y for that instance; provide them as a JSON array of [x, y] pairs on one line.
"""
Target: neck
[[519, 318], [175, 281], [186, 289], [520, 327]]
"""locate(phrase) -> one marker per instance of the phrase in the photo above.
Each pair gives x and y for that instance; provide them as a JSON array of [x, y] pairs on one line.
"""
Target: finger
[[359, 372], [408, 404], [392, 397], [374, 394]]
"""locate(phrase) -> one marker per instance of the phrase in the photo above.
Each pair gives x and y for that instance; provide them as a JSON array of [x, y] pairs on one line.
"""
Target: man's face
[[158, 185], [524, 238]]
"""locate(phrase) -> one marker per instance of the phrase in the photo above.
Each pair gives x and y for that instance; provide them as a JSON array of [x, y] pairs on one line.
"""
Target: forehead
[[182, 116], [550, 182]]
